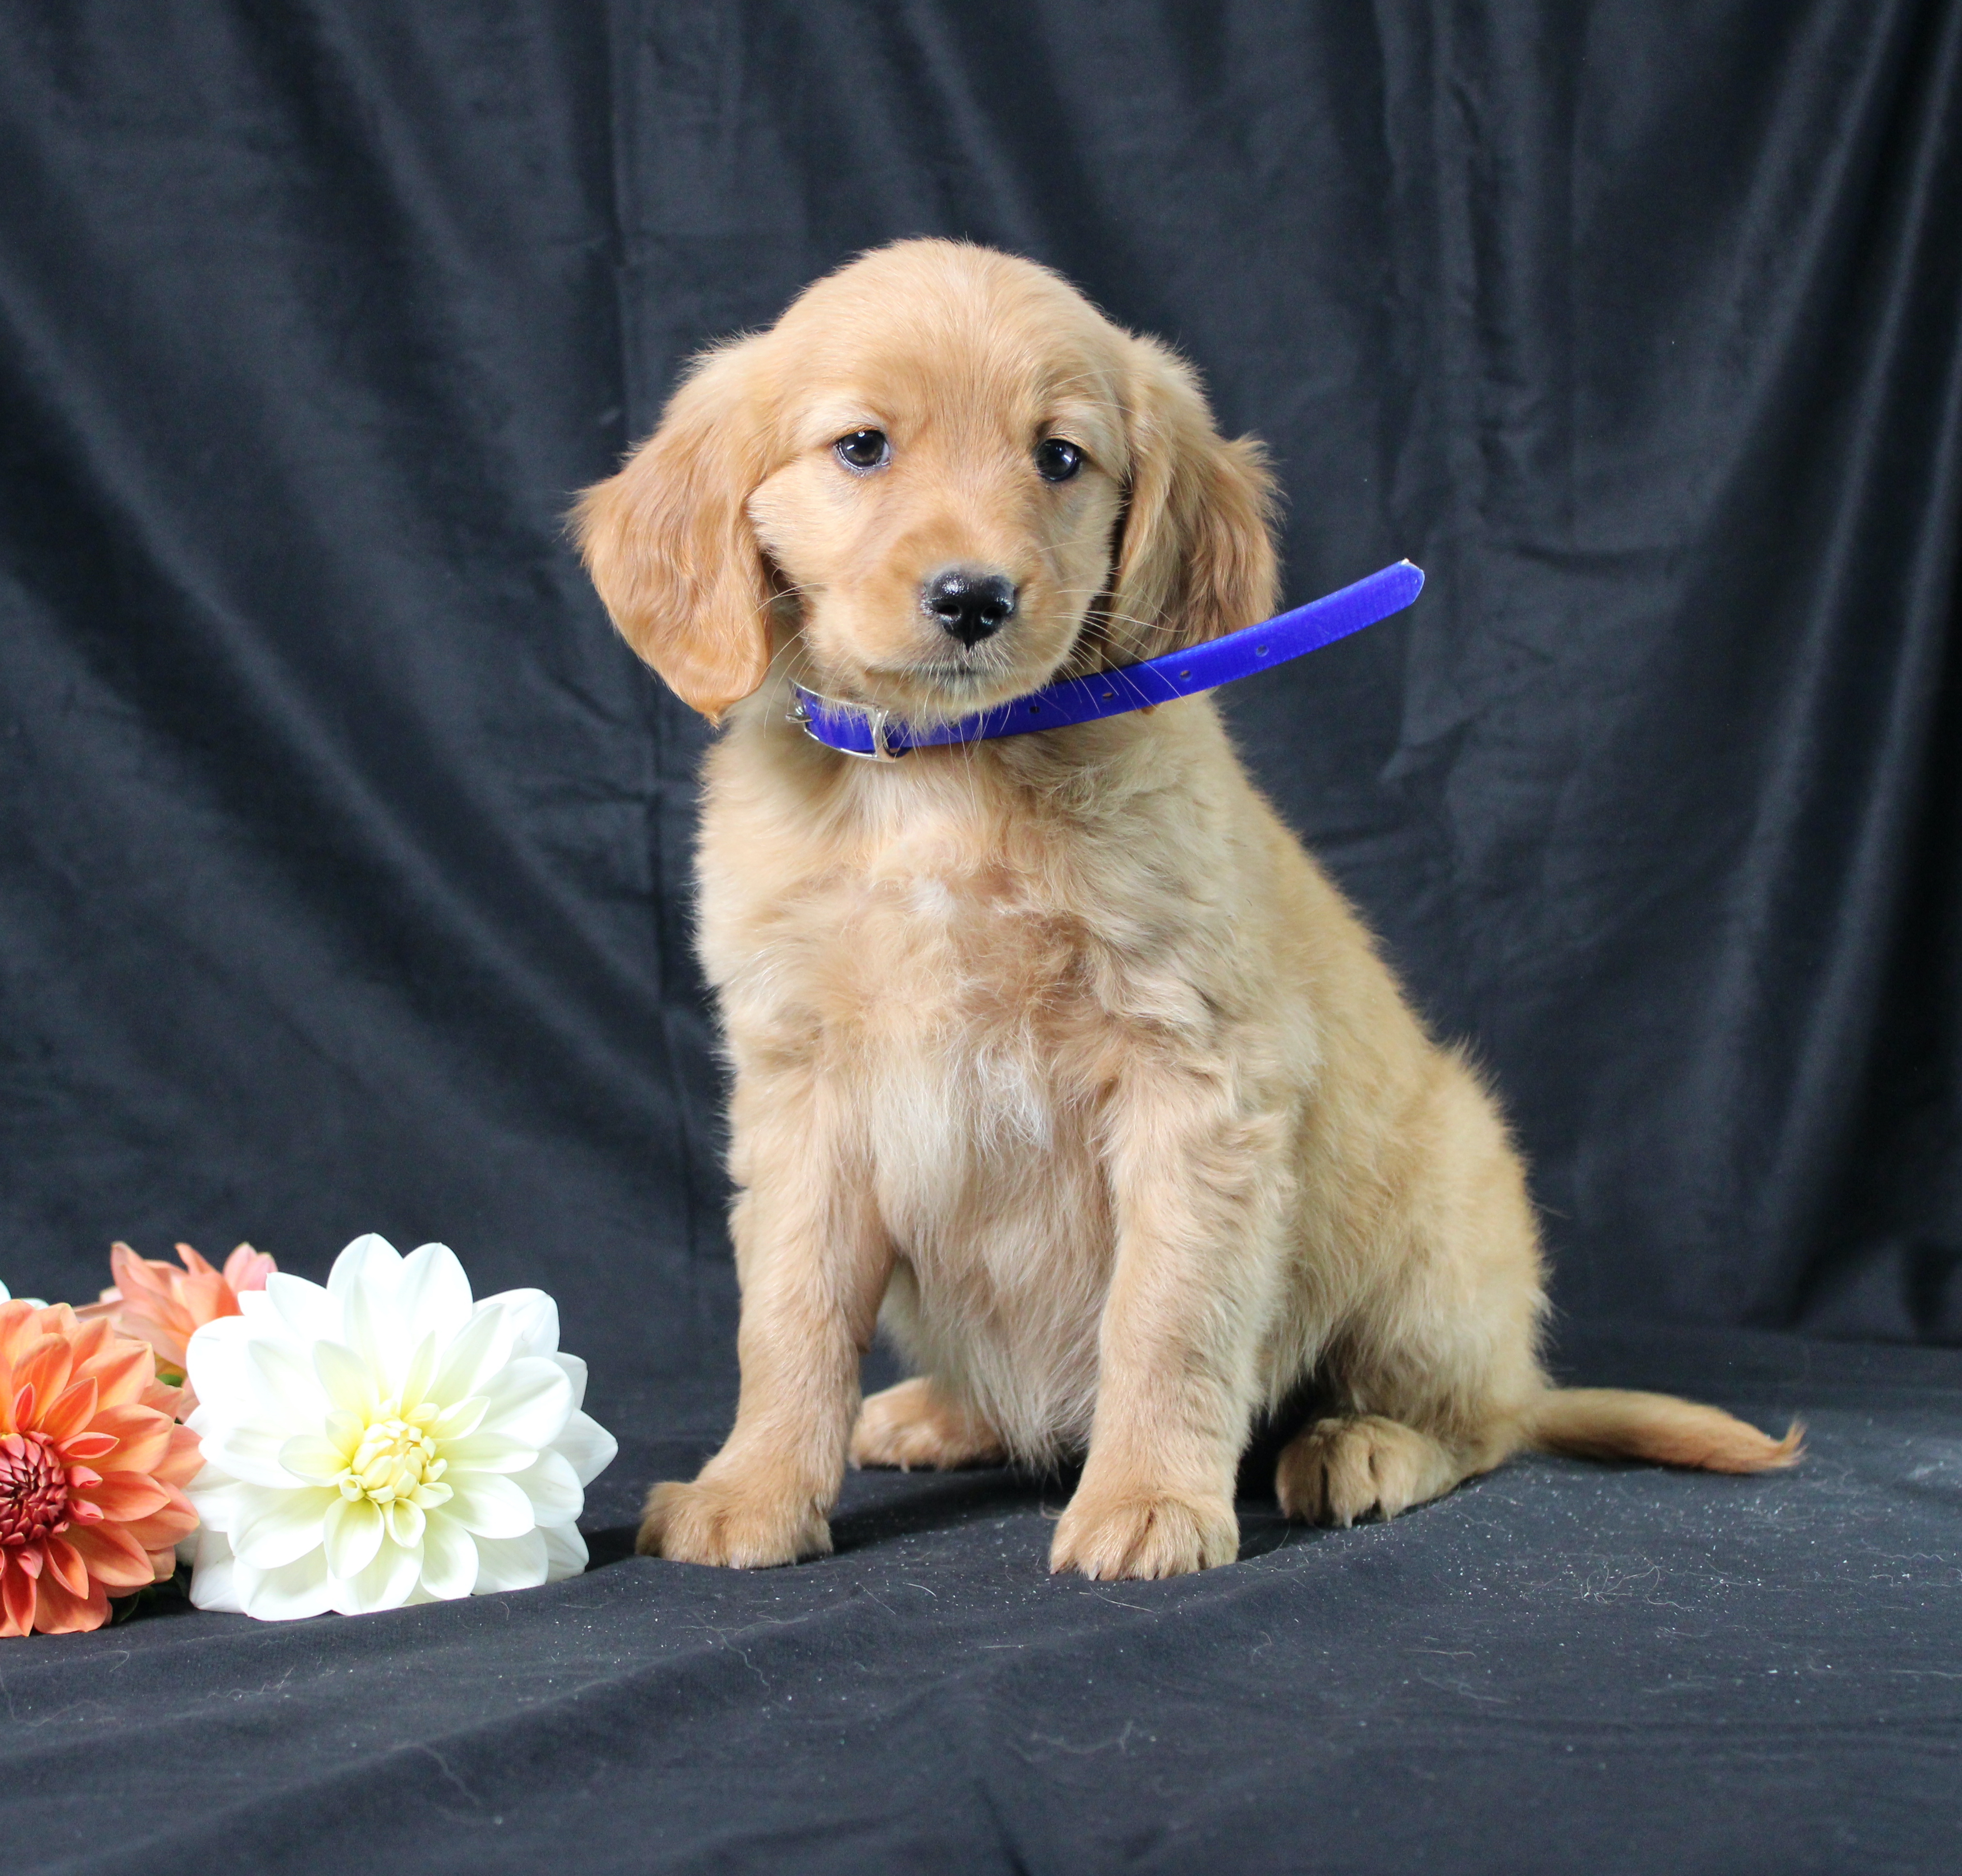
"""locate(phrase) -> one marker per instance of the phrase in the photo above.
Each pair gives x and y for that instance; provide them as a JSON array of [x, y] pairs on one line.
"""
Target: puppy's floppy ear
[[1197, 555], [669, 544]]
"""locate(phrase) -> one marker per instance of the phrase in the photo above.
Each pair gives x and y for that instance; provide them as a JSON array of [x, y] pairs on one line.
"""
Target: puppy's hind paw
[[916, 1424], [1341, 1470]]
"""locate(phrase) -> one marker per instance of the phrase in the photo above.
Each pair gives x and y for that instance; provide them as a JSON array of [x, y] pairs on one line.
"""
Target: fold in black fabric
[[1561, 1668], [343, 861], [345, 850]]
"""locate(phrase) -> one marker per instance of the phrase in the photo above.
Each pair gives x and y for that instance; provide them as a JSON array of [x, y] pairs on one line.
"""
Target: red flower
[[93, 1465]]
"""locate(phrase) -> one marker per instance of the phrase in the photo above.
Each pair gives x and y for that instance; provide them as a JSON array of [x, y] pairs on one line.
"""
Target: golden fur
[[1056, 1054]]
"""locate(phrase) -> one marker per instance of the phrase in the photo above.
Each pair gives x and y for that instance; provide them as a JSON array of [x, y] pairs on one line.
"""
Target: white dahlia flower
[[385, 1440], [6, 1297]]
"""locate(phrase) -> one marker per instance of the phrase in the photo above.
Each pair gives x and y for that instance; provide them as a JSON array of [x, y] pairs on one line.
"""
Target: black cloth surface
[[1561, 1668], [343, 879]]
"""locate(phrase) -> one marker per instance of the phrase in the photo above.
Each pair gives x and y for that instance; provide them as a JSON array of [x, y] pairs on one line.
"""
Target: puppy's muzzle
[[968, 606]]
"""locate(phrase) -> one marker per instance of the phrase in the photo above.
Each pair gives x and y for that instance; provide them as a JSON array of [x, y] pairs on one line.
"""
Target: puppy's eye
[[864, 449], [1057, 461]]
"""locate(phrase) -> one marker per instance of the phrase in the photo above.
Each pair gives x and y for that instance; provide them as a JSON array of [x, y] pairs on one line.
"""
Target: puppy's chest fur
[[935, 978]]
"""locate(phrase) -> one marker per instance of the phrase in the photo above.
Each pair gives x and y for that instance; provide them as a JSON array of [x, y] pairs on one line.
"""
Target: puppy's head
[[949, 476]]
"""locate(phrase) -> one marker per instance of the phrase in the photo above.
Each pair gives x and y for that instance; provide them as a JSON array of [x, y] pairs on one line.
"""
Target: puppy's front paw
[[742, 1526], [1144, 1534], [914, 1424]]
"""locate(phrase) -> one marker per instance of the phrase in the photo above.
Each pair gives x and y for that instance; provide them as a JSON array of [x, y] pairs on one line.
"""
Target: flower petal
[[122, 1371], [369, 1262], [162, 1529], [483, 1347], [488, 1505], [344, 1428], [374, 1335], [511, 1563], [14, 1316], [213, 1583], [286, 1378], [142, 1435], [45, 1367], [62, 1561], [56, 1612], [553, 1488], [433, 1295], [450, 1557], [17, 1595], [589, 1447], [280, 1527], [349, 1380], [575, 1372], [112, 1557], [416, 1376], [247, 1270], [306, 1308], [565, 1551], [309, 1456], [531, 1400], [486, 1452], [459, 1419], [216, 1362], [385, 1583], [71, 1411], [353, 1530], [404, 1522], [123, 1495], [534, 1321], [247, 1454], [84, 1448], [287, 1594], [221, 1499]]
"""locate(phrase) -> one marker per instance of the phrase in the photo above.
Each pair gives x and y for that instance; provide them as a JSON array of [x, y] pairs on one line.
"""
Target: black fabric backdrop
[[343, 850]]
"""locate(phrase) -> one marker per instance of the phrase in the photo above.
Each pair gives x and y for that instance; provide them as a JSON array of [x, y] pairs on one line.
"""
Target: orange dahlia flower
[[93, 1465], [158, 1303]]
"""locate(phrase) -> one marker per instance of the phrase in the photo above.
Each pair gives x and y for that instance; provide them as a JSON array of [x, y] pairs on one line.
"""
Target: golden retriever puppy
[[1055, 1054]]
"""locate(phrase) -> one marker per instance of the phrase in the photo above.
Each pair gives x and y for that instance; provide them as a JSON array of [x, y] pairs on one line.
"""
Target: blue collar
[[861, 729]]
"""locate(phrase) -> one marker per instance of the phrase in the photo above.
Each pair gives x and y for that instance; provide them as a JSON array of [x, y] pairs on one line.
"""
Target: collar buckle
[[881, 751]]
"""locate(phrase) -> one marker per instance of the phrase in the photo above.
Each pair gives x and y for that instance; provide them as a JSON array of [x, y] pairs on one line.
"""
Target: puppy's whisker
[[793, 649], [1111, 641]]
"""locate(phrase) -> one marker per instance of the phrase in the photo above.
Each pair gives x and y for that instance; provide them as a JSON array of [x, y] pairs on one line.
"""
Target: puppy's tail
[[1609, 1423]]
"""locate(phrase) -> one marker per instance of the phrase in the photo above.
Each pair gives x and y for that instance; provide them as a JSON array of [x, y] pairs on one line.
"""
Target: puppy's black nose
[[970, 606]]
